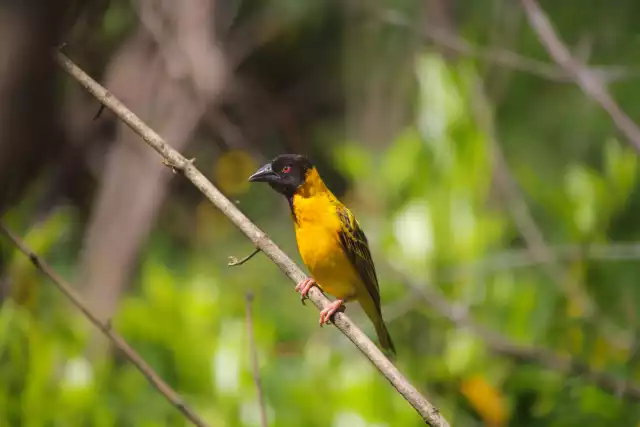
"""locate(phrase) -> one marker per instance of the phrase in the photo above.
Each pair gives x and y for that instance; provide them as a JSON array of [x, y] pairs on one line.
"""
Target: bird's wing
[[355, 246]]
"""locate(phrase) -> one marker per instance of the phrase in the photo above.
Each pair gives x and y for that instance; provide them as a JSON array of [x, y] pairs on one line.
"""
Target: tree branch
[[233, 261], [522, 258], [529, 229], [505, 57], [105, 327], [429, 413], [518, 209], [586, 79], [501, 344]]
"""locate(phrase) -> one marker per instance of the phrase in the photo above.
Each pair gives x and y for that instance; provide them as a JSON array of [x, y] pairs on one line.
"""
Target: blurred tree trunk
[[167, 73], [29, 133]]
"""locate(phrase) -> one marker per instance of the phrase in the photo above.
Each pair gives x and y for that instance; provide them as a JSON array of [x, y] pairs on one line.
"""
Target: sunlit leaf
[[462, 351], [587, 193], [354, 159], [621, 164]]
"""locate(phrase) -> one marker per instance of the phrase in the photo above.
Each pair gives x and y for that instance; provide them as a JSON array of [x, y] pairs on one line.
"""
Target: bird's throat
[[312, 187]]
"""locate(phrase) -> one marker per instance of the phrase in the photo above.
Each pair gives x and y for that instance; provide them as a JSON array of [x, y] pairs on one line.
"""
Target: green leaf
[[401, 161], [621, 169]]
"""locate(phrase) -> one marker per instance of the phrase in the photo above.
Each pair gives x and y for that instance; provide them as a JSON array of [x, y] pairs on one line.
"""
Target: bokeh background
[[500, 202]]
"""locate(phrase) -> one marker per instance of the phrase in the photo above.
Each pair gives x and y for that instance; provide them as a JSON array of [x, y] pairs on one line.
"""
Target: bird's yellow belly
[[321, 252]]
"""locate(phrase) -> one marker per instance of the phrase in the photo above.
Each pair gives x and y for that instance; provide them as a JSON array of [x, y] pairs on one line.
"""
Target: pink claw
[[304, 286], [330, 310]]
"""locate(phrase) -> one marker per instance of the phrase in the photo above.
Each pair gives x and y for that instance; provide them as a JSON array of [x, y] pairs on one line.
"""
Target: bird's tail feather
[[375, 315], [384, 338]]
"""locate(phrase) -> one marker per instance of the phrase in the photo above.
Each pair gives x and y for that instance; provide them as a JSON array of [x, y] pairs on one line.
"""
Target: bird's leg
[[304, 286], [330, 310]]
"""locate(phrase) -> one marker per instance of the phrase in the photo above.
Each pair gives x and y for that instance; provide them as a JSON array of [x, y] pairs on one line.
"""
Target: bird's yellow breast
[[317, 228]]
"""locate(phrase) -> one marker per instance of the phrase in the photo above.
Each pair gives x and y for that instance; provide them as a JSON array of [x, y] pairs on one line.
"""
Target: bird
[[330, 241]]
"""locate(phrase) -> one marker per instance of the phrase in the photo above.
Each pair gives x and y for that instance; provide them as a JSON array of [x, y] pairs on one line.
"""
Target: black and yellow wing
[[355, 246]]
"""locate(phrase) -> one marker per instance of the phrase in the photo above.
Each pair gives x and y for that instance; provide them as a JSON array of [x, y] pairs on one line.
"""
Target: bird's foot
[[330, 310], [304, 286]]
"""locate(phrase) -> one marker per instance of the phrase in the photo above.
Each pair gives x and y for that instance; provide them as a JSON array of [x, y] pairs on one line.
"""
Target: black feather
[[355, 246]]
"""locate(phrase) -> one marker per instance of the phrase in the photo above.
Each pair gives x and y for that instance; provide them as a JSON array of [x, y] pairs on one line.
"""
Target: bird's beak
[[264, 174]]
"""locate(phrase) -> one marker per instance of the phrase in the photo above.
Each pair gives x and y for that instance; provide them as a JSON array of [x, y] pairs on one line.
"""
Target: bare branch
[[253, 353], [519, 210], [588, 81], [105, 327], [429, 413], [233, 261], [501, 344], [522, 258], [529, 229], [508, 58]]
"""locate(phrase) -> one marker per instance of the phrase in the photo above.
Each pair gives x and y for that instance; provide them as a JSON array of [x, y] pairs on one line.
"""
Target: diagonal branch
[[179, 163], [505, 57], [529, 229], [511, 59], [500, 344], [519, 210], [142, 366], [588, 81]]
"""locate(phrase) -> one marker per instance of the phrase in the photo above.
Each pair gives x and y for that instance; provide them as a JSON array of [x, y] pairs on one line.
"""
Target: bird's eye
[[286, 169]]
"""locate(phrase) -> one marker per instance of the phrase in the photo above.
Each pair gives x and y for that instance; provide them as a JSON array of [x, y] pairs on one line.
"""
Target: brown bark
[[167, 72], [29, 135]]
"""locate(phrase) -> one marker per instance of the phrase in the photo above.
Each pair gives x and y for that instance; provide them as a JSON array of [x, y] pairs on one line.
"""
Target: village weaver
[[330, 240]]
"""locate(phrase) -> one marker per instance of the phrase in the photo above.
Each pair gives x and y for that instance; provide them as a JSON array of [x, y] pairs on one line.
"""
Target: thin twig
[[507, 58], [233, 261], [586, 79], [522, 258], [527, 226], [105, 327], [519, 210], [429, 413], [99, 112], [253, 353], [500, 344]]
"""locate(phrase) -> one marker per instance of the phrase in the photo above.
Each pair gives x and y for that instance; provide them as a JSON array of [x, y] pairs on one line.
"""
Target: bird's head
[[285, 174]]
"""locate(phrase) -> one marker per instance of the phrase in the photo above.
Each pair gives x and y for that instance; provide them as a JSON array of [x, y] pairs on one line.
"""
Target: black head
[[284, 174]]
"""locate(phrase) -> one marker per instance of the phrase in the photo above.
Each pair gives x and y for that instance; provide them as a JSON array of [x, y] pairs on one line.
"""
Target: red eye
[[286, 169]]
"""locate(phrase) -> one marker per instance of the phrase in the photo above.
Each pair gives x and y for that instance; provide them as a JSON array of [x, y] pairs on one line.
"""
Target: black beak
[[264, 174]]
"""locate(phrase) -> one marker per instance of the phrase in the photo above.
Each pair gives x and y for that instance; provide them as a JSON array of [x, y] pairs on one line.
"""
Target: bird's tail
[[384, 338], [375, 314]]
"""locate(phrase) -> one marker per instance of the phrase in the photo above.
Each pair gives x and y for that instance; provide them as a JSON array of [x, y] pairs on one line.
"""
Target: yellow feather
[[317, 225], [320, 222]]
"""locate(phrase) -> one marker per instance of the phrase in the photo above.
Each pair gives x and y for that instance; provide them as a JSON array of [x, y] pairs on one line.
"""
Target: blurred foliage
[[429, 204]]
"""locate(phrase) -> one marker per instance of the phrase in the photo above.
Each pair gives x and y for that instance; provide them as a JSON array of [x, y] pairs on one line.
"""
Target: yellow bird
[[330, 240]]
